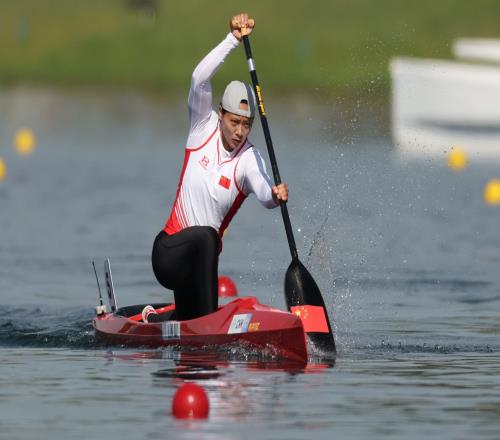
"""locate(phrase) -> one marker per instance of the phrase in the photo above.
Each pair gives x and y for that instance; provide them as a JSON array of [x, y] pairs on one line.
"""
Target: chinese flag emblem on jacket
[[225, 182]]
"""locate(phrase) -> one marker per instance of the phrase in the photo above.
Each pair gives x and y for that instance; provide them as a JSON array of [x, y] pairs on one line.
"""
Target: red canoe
[[243, 321]]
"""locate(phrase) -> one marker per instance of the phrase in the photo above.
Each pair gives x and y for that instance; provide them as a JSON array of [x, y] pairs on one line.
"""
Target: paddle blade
[[304, 299]]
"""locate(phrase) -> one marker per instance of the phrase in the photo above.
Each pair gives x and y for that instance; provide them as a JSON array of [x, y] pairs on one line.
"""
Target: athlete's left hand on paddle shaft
[[280, 193]]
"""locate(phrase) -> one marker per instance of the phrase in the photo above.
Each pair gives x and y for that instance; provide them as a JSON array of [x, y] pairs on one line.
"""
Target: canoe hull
[[243, 322]]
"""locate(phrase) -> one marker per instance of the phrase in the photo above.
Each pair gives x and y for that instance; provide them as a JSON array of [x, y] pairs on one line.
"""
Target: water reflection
[[206, 365], [238, 388]]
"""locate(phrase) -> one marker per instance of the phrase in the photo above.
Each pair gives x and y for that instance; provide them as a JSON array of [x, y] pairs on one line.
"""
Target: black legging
[[187, 262]]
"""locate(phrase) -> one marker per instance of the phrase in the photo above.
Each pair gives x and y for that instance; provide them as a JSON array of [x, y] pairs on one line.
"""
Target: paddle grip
[[269, 143]]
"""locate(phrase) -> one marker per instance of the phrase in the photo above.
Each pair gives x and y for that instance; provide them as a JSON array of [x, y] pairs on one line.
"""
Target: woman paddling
[[221, 168]]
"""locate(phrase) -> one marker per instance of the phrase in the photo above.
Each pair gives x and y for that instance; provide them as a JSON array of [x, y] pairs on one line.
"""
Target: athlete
[[221, 168]]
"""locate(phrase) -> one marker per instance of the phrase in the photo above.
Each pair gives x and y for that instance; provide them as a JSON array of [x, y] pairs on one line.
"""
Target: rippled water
[[406, 255]]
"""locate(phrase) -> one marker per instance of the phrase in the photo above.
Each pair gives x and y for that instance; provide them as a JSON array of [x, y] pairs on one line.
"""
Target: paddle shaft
[[300, 287], [269, 143]]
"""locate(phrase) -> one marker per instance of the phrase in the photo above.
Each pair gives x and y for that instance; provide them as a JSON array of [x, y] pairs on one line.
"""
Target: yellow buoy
[[492, 192], [457, 159], [24, 141], [3, 169]]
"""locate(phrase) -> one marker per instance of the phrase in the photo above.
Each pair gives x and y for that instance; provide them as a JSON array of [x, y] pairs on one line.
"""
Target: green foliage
[[335, 46]]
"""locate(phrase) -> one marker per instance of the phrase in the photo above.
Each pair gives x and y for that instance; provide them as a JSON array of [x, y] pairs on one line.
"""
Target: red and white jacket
[[214, 182]]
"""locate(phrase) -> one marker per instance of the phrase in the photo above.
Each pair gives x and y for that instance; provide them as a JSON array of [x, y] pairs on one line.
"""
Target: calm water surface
[[405, 253]]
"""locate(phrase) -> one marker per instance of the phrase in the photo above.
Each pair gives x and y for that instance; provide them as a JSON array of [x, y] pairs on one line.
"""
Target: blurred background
[[335, 47], [385, 118], [335, 53]]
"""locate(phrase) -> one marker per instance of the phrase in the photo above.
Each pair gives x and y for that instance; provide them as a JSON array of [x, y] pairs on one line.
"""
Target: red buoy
[[190, 402], [227, 287]]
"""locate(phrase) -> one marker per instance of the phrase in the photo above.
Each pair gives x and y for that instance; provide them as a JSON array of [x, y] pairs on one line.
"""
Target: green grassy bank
[[316, 47]]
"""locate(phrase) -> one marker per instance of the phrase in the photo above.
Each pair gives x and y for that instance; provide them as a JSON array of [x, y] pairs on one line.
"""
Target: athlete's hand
[[241, 25], [280, 193]]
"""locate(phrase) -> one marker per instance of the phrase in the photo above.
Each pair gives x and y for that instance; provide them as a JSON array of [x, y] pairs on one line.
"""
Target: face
[[234, 128]]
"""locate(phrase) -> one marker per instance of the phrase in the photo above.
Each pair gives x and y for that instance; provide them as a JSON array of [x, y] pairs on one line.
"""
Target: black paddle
[[300, 287]]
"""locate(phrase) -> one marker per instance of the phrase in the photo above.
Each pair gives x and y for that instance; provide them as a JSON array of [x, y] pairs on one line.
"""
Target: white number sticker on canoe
[[239, 324], [171, 329]]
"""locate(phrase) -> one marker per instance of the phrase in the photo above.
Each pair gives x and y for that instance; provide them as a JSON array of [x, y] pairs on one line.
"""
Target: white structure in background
[[477, 49], [439, 105]]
